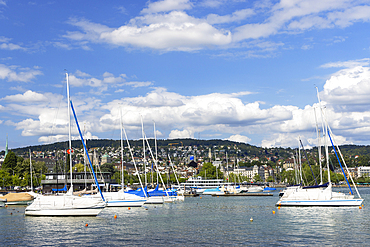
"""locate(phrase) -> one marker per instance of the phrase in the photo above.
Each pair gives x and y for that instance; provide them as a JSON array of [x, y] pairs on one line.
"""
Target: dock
[[247, 194]]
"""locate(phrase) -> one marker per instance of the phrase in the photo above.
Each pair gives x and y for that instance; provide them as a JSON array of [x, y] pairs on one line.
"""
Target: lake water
[[199, 221]]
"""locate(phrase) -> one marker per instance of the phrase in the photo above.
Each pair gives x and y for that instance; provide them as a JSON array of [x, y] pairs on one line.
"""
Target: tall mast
[[123, 176], [156, 151], [31, 171], [69, 131], [142, 131], [85, 160], [325, 128], [319, 145]]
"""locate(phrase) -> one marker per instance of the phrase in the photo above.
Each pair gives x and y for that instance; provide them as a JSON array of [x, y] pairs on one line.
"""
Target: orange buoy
[[279, 207], [115, 216], [360, 207], [273, 212], [86, 225], [200, 197], [6, 206], [129, 208]]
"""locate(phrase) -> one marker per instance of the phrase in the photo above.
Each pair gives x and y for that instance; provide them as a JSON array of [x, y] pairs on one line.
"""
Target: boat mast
[[85, 161], [69, 131], [300, 162], [31, 171], [144, 160], [325, 127], [319, 145], [123, 176], [156, 152]]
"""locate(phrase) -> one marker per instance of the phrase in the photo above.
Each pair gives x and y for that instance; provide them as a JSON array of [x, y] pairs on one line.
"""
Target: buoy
[[146, 209], [6, 206], [279, 207], [360, 207], [86, 225], [251, 219], [115, 216], [217, 196], [11, 213], [279, 204], [129, 208], [273, 212], [200, 197]]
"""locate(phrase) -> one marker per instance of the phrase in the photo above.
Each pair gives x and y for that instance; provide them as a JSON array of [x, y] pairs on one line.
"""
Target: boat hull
[[155, 200], [321, 203], [65, 205], [125, 203]]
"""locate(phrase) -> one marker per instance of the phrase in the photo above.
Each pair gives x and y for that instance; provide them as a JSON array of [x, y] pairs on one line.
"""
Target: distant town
[[231, 161]]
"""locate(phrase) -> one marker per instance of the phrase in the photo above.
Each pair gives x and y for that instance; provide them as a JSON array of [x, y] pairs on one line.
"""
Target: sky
[[240, 70]]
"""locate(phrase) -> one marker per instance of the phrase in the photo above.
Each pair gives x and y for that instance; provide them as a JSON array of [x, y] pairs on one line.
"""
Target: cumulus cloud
[[344, 97], [176, 134], [239, 138], [15, 73], [28, 96], [167, 25], [173, 31]]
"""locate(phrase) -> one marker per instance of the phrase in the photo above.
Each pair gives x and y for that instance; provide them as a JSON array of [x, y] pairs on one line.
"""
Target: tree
[[108, 167], [10, 162], [257, 178], [209, 171]]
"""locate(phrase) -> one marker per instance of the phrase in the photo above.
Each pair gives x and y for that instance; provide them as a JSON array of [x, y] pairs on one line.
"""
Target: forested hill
[[116, 144], [242, 149]]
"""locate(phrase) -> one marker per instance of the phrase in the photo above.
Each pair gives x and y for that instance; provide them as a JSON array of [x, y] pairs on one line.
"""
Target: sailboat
[[68, 204], [322, 194], [121, 198]]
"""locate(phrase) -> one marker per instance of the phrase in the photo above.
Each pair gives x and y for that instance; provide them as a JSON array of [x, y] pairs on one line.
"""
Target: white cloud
[[350, 86], [28, 96], [347, 64], [15, 73], [167, 5], [239, 138], [170, 31], [301, 15], [175, 134], [238, 15]]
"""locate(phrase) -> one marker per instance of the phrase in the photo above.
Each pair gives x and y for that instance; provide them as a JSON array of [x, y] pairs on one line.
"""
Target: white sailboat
[[67, 204], [322, 195], [121, 198]]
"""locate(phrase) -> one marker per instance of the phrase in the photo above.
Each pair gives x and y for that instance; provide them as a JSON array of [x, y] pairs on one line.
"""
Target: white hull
[[19, 202], [155, 200], [317, 197], [323, 203], [122, 199], [255, 189], [65, 205]]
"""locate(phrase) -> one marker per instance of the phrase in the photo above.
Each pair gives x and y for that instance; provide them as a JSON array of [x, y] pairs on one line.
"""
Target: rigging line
[[305, 154], [88, 157], [349, 186]]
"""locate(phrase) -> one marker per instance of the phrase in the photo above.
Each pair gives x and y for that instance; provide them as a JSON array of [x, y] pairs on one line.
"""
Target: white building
[[363, 171]]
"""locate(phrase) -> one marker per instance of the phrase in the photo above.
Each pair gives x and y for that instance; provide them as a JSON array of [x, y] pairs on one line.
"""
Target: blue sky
[[212, 69]]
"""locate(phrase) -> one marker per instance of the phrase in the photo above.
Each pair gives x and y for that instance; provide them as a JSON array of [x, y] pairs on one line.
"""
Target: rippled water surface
[[199, 221]]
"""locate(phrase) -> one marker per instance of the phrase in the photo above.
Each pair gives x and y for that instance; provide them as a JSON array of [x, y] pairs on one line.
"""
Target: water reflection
[[208, 221]]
